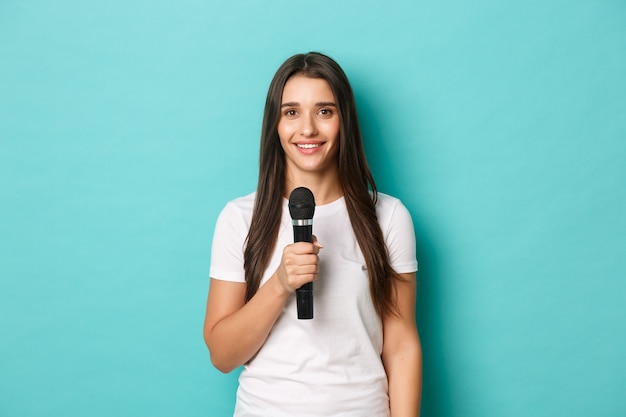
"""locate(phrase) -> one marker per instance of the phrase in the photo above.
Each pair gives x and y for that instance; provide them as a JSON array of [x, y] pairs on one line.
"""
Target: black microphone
[[301, 208]]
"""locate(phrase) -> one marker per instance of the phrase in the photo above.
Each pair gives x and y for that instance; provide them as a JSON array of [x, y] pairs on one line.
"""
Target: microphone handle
[[304, 294]]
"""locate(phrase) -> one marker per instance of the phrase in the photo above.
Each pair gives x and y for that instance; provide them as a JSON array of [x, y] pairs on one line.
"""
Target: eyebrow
[[320, 104]]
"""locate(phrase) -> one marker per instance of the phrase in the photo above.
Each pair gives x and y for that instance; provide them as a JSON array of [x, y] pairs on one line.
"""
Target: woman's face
[[309, 126]]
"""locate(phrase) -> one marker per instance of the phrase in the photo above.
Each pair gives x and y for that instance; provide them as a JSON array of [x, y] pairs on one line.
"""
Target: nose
[[308, 127]]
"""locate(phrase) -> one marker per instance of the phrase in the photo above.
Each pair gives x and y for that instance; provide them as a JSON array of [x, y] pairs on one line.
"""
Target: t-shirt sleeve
[[228, 245], [400, 239]]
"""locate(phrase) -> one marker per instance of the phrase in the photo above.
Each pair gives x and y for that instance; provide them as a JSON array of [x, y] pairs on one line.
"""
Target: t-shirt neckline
[[328, 208]]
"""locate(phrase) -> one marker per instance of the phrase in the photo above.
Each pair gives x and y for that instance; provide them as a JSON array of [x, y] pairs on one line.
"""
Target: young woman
[[360, 355]]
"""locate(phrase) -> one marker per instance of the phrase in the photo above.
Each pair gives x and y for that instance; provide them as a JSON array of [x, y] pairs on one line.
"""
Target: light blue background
[[126, 125]]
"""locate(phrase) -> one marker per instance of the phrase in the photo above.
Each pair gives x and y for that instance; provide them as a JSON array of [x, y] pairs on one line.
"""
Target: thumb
[[316, 243]]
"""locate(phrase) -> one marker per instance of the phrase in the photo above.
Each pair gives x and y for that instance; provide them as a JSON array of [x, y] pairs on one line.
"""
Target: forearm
[[236, 338], [404, 373]]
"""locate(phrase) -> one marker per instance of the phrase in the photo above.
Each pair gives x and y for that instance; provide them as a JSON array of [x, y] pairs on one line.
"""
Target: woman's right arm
[[234, 330]]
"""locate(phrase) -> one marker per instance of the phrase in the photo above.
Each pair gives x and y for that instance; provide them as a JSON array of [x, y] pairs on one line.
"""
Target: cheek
[[333, 130], [284, 131], [281, 135]]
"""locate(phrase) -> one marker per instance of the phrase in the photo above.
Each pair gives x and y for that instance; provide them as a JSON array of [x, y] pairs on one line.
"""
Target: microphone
[[301, 209]]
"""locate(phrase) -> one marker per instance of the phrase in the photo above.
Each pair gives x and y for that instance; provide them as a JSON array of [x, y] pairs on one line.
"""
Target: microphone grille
[[301, 204]]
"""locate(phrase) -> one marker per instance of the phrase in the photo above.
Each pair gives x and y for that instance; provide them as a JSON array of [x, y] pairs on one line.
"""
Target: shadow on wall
[[392, 178]]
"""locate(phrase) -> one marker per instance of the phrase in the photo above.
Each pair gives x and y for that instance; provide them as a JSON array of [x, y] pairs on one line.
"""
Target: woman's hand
[[299, 265], [234, 330]]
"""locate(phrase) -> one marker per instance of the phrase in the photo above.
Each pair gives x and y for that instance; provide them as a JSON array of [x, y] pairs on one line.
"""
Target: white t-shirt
[[330, 365]]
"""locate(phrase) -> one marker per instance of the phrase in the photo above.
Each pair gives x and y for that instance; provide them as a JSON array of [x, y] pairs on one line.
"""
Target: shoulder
[[242, 206], [229, 239], [237, 213], [390, 210], [386, 200], [397, 227], [243, 203], [387, 204]]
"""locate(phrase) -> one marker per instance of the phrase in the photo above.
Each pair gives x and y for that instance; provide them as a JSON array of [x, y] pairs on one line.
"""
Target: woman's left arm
[[402, 352]]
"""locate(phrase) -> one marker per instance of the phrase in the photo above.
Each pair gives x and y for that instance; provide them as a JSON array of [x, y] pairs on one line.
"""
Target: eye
[[291, 113], [325, 112]]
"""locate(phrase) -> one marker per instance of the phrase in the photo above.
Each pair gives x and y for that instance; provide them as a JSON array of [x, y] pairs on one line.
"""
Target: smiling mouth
[[308, 145]]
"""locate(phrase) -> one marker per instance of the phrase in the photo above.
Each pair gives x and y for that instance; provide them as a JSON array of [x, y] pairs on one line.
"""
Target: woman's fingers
[[299, 265]]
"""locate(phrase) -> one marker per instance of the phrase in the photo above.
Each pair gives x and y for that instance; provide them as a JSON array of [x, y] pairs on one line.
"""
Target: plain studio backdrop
[[125, 126]]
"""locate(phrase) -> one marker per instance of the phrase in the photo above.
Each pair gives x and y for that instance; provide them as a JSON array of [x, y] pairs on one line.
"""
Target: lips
[[309, 148], [309, 144]]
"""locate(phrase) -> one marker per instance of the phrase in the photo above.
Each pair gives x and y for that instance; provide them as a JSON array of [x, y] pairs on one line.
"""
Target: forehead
[[303, 89]]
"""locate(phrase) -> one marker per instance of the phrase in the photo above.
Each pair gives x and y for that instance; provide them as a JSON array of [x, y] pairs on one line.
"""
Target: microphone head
[[301, 204]]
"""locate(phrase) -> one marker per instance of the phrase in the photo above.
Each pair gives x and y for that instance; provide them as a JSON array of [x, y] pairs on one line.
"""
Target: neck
[[325, 189]]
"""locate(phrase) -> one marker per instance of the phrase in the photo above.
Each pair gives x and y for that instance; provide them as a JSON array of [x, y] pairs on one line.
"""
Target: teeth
[[308, 145]]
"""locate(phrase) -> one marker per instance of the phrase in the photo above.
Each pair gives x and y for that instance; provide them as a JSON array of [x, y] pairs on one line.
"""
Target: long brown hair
[[355, 176]]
